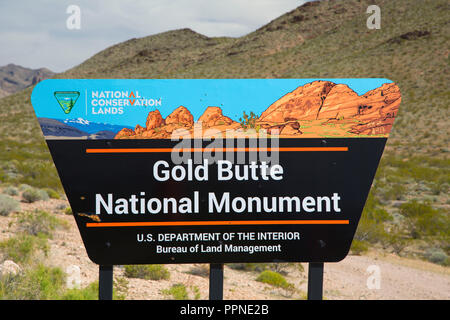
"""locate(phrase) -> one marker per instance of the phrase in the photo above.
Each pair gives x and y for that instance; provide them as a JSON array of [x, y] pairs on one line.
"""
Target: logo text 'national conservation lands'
[[67, 99]]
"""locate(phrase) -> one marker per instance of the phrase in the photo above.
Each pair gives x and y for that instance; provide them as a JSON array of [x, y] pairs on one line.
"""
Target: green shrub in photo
[[275, 279], [39, 222], [249, 266], [438, 256], [68, 211], [89, 292], [177, 291], [423, 220], [37, 283], [370, 230], [358, 247], [8, 205], [33, 194], [52, 193], [23, 187], [147, 271], [201, 270], [21, 248], [11, 191]]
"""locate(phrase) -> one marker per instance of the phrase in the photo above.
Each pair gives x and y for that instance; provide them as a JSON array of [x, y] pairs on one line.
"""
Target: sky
[[34, 34]]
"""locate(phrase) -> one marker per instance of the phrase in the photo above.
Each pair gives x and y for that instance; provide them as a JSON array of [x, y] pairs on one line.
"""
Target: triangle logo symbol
[[66, 99]]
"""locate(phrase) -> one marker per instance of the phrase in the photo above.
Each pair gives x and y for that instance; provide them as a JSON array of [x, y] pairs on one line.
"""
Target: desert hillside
[[14, 78]]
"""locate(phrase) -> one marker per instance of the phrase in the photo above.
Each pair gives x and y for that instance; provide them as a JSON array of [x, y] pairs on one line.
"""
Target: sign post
[[216, 171], [216, 281], [315, 281], [105, 283]]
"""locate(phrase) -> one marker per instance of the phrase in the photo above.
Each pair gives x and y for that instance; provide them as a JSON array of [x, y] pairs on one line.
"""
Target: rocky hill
[[14, 78], [326, 39]]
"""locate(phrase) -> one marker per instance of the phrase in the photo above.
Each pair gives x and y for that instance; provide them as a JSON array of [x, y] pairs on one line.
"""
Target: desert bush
[[423, 220], [33, 194], [24, 186], [275, 279], [177, 291], [38, 283], [394, 192], [249, 266], [8, 205], [437, 255], [201, 270], [358, 247], [89, 292], [260, 266], [39, 222], [148, 272], [52, 193], [397, 239], [22, 248], [370, 230], [11, 191]]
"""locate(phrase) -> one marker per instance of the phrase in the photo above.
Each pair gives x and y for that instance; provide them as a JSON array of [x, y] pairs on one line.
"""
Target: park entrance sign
[[215, 171]]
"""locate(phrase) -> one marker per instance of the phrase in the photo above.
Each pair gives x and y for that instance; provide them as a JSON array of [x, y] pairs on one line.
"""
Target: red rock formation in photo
[[303, 103], [213, 117], [322, 105]]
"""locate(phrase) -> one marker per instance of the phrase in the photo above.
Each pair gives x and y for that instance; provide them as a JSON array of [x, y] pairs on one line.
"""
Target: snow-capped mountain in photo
[[92, 127]]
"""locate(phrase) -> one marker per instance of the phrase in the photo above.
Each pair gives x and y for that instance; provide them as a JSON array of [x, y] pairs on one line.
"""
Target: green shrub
[[397, 239], [33, 194], [21, 248], [423, 220], [177, 291], [437, 255], [11, 191], [39, 222], [148, 272], [249, 266], [8, 205], [196, 292], [44, 283], [68, 211], [260, 266], [88, 293], [274, 279], [370, 230], [201, 270], [52, 193], [413, 208], [24, 187], [358, 247], [38, 283]]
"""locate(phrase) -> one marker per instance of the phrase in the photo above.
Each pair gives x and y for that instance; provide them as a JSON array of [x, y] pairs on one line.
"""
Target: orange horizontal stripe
[[211, 223], [156, 150]]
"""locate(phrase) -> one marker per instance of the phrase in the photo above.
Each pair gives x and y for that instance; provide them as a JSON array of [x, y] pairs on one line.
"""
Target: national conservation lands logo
[[66, 99]]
